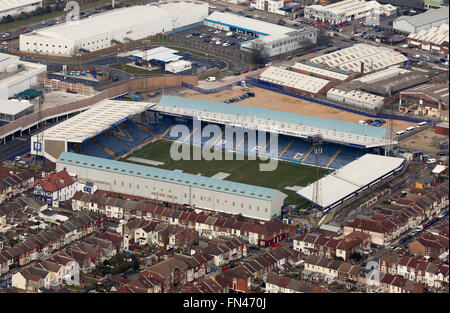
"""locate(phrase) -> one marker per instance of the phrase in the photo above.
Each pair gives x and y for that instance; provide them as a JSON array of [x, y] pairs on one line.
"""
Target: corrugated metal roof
[[273, 115], [428, 17], [6, 5], [174, 177]]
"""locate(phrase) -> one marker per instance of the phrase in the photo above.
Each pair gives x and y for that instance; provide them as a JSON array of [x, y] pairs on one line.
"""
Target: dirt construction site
[[276, 101]]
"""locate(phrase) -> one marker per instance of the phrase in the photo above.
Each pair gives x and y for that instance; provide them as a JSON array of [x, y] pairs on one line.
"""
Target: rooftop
[[239, 112], [350, 59], [352, 177], [430, 16], [174, 177], [6, 5], [13, 107], [98, 118]]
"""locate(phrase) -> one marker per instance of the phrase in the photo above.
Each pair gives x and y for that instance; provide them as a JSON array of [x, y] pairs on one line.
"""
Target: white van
[[410, 129], [211, 79], [399, 133], [362, 122], [229, 34], [422, 123]]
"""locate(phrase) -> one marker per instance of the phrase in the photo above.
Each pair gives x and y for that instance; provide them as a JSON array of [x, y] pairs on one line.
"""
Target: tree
[[258, 52]]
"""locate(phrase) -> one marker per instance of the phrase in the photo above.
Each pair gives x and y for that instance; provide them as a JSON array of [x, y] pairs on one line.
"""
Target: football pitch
[[242, 171]]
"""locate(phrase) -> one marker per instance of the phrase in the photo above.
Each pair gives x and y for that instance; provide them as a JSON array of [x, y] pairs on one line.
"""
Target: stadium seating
[[297, 151], [328, 151], [112, 143], [93, 149], [136, 129], [346, 156]]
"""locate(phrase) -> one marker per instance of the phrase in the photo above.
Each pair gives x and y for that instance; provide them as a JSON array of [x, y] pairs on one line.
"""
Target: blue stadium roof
[[279, 116], [175, 177]]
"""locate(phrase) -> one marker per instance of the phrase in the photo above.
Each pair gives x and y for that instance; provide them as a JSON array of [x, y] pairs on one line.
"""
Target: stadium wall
[[177, 193]]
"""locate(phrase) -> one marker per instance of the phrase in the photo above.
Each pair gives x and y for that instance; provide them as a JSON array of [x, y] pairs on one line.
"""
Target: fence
[[60, 85], [276, 88]]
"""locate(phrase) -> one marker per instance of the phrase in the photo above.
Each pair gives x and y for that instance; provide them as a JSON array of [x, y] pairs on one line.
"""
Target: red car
[[276, 244], [397, 49], [225, 268], [244, 71]]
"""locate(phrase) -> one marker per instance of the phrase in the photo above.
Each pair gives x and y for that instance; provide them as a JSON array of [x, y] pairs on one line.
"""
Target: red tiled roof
[[55, 181]]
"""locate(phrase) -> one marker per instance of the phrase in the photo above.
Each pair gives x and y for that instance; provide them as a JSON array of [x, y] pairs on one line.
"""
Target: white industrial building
[[11, 110], [356, 98], [299, 82], [276, 39], [16, 7], [160, 54], [107, 29], [318, 70], [434, 39], [422, 21], [371, 57], [17, 76], [347, 10], [178, 66], [174, 186], [352, 179]]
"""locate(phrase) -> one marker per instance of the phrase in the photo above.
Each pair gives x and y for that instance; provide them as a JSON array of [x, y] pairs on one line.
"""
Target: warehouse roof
[[11, 107], [436, 35], [356, 95], [320, 70], [345, 181], [383, 74], [175, 177], [347, 7], [6, 5], [277, 121], [427, 17], [436, 91], [293, 79], [254, 25], [100, 117], [396, 83], [374, 58], [114, 20]]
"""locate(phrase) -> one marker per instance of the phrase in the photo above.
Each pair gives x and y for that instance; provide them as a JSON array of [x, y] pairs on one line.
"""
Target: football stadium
[[127, 147]]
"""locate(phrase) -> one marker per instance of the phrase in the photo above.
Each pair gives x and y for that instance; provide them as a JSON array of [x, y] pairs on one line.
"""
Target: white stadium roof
[[293, 79], [345, 181], [285, 123], [349, 59], [95, 120]]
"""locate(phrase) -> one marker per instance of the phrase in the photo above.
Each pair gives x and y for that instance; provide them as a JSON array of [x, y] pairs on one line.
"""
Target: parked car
[[244, 71]]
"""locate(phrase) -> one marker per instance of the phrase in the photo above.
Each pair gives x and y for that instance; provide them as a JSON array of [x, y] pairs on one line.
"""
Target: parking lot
[[213, 37]]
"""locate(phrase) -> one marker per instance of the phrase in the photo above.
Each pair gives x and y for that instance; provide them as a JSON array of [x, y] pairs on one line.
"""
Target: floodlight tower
[[317, 149], [389, 147]]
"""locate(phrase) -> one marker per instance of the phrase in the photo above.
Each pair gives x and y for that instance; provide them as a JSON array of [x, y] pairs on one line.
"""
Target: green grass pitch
[[241, 171]]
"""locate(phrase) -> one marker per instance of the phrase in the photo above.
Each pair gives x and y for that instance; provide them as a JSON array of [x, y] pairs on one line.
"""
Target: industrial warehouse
[[276, 39], [422, 21], [115, 27], [16, 75], [362, 58], [347, 10]]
